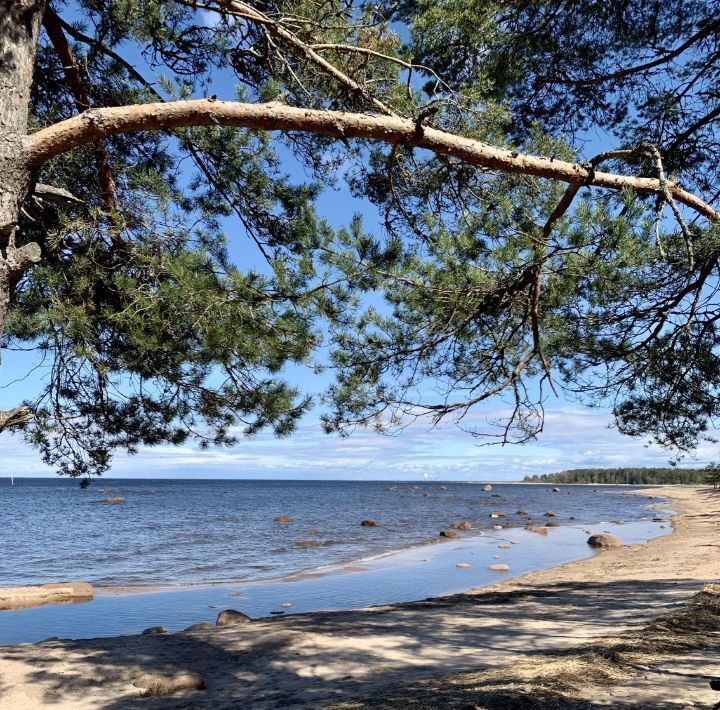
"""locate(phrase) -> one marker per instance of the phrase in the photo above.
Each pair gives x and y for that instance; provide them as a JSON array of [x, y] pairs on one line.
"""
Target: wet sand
[[414, 652]]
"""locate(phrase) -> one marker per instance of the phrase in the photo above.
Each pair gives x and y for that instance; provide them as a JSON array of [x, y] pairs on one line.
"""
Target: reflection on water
[[415, 573]]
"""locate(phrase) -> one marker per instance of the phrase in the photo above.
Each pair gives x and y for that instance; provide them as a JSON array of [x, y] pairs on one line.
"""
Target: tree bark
[[96, 124], [19, 28]]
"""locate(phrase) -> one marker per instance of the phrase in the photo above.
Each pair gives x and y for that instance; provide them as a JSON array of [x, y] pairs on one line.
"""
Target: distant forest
[[637, 476]]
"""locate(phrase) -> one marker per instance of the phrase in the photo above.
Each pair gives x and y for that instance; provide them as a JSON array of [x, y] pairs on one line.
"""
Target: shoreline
[[364, 563], [413, 649]]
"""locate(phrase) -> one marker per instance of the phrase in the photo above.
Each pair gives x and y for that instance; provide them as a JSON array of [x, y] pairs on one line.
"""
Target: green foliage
[[627, 476], [155, 329]]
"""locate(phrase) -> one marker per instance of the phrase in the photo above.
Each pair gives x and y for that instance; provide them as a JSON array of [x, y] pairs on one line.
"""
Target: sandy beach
[[627, 628]]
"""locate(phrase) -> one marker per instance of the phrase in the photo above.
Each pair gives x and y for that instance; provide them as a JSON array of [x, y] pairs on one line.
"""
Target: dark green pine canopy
[[480, 285]]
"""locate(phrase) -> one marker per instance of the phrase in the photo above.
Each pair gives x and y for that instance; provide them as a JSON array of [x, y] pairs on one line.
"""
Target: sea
[[179, 550]]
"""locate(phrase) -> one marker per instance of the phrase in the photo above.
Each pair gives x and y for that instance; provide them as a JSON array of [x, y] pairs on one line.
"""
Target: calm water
[[198, 532]]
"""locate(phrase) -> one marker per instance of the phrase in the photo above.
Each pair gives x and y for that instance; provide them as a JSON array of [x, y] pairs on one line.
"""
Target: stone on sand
[[604, 541], [230, 617], [164, 684], [201, 626]]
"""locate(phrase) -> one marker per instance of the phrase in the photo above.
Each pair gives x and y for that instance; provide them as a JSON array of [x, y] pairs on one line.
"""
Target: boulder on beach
[[465, 525], [37, 595], [283, 519], [487, 487], [155, 630], [604, 541], [166, 683], [449, 533], [231, 617], [201, 626], [539, 529], [499, 568], [369, 523]]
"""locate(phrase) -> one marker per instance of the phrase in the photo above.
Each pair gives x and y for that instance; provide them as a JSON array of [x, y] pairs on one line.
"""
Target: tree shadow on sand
[[521, 649]]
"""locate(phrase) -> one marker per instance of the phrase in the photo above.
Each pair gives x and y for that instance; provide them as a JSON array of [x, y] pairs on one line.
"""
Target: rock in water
[[499, 568], [539, 529], [465, 525], [550, 514], [155, 630], [449, 533], [487, 487], [112, 501], [164, 684], [552, 524], [283, 519], [369, 523], [230, 617], [462, 565], [307, 543], [604, 541], [556, 490], [497, 514]]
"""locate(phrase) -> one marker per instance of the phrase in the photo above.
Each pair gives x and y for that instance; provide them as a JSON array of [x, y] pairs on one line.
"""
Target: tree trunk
[[19, 28]]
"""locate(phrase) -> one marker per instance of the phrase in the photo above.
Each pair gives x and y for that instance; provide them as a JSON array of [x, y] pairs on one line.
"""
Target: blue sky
[[574, 437]]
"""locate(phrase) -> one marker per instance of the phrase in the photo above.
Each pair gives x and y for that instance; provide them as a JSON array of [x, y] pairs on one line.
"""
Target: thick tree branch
[[96, 124], [15, 417]]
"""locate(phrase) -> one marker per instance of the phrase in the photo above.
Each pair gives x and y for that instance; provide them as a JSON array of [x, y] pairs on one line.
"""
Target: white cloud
[[573, 438]]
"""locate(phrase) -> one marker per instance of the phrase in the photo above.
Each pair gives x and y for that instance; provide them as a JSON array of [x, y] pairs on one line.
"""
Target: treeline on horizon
[[636, 476]]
